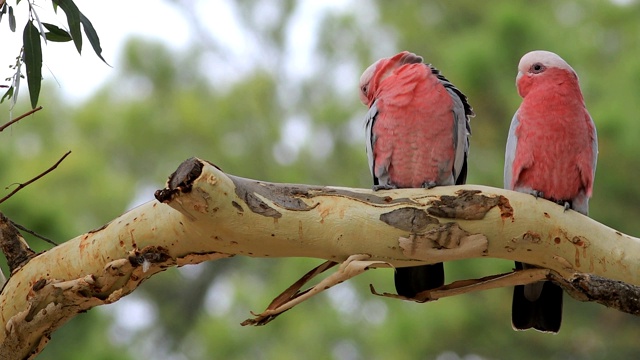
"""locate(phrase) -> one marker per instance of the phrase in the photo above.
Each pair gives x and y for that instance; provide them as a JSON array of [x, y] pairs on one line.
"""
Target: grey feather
[[370, 138], [462, 112], [510, 152], [581, 202]]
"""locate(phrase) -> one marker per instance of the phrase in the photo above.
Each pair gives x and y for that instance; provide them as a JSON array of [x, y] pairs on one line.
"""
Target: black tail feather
[[412, 280], [543, 314]]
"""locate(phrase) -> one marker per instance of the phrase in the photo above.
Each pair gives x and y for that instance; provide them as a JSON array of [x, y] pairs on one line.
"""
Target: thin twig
[[20, 186], [33, 233], [20, 118]]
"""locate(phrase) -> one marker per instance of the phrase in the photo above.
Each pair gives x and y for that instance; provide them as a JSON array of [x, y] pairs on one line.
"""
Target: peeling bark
[[610, 293], [13, 245], [204, 214], [469, 205], [409, 219]]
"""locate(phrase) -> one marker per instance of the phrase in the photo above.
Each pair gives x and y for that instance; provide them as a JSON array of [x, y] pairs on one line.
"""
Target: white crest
[[547, 58]]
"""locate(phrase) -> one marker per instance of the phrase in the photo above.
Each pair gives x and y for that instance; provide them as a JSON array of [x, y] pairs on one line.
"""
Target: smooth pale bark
[[206, 214]]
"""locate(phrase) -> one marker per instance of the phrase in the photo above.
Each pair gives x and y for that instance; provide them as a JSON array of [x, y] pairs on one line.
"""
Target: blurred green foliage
[[269, 123]]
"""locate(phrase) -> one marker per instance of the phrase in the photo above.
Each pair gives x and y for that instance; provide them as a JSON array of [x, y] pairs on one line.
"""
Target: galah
[[417, 136], [551, 153]]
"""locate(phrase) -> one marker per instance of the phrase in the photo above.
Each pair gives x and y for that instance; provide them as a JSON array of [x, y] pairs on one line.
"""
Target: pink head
[[542, 67], [380, 70]]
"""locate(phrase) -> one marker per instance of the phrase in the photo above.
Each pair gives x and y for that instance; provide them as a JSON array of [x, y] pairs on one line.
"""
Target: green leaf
[[12, 20], [33, 61], [57, 38], [92, 35], [56, 34], [73, 19], [7, 95]]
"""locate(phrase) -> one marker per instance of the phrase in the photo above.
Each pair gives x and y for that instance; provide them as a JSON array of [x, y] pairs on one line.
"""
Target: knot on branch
[[148, 256], [181, 180]]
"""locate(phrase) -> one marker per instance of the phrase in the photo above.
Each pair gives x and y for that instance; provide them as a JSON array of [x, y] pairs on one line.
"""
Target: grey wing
[[594, 146], [510, 152], [370, 138], [581, 202], [461, 133], [462, 112]]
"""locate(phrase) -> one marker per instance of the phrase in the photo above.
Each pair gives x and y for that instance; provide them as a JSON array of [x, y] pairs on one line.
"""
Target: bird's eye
[[537, 68], [364, 89]]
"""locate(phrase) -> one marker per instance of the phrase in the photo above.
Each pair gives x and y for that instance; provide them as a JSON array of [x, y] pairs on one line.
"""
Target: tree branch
[[205, 214], [21, 186], [9, 123]]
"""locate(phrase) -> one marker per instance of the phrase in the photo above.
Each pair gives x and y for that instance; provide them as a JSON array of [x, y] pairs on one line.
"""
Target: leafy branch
[[34, 32]]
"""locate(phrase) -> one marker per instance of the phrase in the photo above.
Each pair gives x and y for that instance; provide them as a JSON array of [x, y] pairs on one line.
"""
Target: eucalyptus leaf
[[12, 20], [73, 19], [56, 34], [7, 95], [92, 35], [33, 61]]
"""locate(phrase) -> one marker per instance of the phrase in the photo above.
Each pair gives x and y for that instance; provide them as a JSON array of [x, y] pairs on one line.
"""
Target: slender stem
[[20, 118], [21, 186], [34, 233]]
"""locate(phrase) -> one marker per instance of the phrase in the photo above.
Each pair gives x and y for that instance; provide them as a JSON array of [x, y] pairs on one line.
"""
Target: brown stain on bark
[[580, 243], [506, 211], [324, 211], [532, 237], [133, 239]]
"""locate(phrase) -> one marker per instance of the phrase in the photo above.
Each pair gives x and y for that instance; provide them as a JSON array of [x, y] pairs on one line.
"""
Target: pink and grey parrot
[[417, 136], [551, 153]]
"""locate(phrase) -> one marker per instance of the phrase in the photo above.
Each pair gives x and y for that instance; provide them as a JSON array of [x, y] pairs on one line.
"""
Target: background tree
[[269, 116]]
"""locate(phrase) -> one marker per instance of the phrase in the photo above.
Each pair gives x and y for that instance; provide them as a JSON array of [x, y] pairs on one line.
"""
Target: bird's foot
[[429, 184], [566, 204], [537, 193], [383, 187]]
